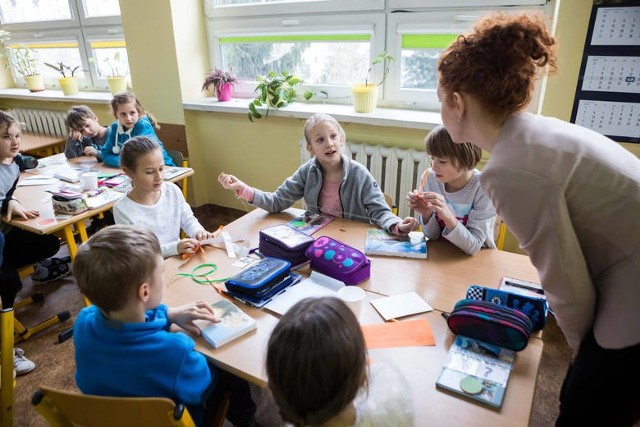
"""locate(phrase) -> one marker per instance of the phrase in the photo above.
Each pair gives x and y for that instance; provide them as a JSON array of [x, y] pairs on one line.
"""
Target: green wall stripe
[[427, 41], [296, 38]]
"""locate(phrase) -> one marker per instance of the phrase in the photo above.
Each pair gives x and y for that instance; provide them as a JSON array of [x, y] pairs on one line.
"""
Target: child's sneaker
[[53, 272], [21, 365], [46, 263]]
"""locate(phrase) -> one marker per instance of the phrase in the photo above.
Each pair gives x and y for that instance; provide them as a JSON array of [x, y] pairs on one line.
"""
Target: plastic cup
[[46, 212], [353, 296], [89, 181]]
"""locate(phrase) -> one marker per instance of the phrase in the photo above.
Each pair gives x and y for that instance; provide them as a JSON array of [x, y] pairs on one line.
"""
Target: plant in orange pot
[[68, 83], [222, 82], [365, 95]]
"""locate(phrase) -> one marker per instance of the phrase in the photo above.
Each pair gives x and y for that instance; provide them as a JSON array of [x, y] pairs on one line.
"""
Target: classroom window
[[79, 33], [330, 44]]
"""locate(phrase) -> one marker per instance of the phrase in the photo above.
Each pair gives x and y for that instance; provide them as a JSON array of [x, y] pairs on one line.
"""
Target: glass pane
[[331, 63], [419, 68], [68, 56], [97, 8], [13, 11], [111, 62], [236, 2]]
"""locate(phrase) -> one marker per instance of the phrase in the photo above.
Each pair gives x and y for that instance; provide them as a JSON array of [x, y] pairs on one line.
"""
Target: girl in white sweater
[[154, 203]]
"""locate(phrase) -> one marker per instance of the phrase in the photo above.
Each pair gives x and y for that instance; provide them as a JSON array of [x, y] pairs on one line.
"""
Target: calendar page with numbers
[[607, 98]]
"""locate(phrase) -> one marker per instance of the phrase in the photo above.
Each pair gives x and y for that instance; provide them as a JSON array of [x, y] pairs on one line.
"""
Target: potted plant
[[116, 79], [68, 83], [276, 90], [222, 82], [365, 95], [24, 61]]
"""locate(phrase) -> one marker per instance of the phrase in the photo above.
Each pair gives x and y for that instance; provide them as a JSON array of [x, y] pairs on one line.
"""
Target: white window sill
[[56, 95], [411, 119]]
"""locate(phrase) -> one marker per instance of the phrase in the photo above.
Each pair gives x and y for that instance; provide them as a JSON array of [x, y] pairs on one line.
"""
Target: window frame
[[393, 17], [80, 29]]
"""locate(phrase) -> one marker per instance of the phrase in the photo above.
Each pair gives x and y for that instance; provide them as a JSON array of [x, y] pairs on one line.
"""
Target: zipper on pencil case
[[519, 318], [500, 320]]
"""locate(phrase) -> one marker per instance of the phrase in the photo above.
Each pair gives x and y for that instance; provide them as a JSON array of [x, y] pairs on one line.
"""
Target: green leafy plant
[[22, 59], [63, 69], [277, 90], [386, 58], [114, 66]]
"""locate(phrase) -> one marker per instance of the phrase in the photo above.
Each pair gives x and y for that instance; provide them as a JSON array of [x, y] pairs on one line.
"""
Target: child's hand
[[406, 226], [230, 182], [16, 209], [75, 135], [204, 235], [184, 315], [188, 246], [90, 151]]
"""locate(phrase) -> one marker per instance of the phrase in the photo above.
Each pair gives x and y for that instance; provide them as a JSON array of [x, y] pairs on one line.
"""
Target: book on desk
[[379, 242], [477, 370], [233, 324], [171, 172]]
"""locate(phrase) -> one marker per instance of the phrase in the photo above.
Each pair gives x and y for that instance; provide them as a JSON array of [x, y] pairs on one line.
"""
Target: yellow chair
[[179, 160], [499, 232], [6, 367], [392, 205], [21, 332], [62, 408]]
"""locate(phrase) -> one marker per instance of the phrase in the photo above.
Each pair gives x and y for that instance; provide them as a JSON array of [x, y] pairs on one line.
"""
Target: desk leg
[[71, 241], [82, 230]]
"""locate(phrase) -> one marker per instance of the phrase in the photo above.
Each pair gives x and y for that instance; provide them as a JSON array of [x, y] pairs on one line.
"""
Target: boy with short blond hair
[[86, 135], [123, 346]]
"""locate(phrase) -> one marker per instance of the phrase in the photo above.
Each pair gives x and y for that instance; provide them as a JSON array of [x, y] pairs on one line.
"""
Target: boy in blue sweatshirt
[[123, 346]]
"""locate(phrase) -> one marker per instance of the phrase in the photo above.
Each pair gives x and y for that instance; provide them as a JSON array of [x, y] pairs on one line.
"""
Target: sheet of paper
[[400, 305], [407, 333], [316, 285], [37, 180]]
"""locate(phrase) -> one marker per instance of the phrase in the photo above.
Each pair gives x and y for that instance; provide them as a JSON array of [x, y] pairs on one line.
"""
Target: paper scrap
[[407, 333]]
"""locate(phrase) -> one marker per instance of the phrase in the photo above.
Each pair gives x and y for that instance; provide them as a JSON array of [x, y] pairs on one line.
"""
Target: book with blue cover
[[233, 324], [379, 242]]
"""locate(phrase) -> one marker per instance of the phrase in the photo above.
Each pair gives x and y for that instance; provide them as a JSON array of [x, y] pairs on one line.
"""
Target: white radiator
[[397, 170], [48, 122]]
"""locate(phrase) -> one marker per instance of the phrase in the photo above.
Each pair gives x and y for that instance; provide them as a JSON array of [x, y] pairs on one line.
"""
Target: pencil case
[[492, 323], [284, 242], [535, 308], [339, 260], [261, 281]]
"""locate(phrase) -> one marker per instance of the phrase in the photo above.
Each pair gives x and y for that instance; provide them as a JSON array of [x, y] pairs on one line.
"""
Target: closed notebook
[[233, 324]]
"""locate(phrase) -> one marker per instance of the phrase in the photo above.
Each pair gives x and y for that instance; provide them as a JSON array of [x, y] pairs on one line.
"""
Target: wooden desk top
[[37, 141], [450, 272], [33, 196]]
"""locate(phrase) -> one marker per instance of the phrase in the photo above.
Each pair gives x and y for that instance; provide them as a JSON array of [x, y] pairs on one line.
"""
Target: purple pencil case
[[338, 260]]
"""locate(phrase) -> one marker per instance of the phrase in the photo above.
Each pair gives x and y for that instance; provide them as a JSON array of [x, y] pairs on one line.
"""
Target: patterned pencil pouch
[[491, 323], [535, 308]]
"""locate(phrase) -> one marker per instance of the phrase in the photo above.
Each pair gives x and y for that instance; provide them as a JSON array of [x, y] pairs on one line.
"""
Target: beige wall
[[166, 44]]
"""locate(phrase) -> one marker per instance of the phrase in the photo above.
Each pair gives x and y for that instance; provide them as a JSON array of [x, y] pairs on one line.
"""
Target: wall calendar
[[607, 97]]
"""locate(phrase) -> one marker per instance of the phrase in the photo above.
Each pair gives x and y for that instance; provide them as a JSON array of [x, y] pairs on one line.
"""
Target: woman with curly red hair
[[571, 197]]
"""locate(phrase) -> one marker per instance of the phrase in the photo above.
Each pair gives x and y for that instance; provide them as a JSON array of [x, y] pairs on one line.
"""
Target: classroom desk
[[421, 366], [33, 142], [33, 198]]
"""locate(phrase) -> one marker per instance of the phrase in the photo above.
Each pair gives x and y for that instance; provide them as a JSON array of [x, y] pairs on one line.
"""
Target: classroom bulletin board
[[607, 98]]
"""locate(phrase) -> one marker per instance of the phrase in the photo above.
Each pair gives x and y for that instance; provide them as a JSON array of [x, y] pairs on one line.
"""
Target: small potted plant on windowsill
[[24, 61], [68, 83], [222, 82], [116, 79], [365, 96]]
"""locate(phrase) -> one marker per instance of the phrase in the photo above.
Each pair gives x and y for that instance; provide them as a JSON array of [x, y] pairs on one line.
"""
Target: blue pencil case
[[258, 283], [535, 308]]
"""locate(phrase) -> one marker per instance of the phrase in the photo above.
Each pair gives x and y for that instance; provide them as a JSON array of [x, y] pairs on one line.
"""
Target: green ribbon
[[201, 277]]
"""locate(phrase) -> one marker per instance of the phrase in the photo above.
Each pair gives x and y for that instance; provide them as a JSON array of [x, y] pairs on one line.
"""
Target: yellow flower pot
[[365, 97], [117, 84], [69, 85], [34, 83]]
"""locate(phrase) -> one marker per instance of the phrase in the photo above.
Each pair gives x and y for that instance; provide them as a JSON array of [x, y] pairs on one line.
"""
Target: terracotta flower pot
[[34, 83], [224, 91]]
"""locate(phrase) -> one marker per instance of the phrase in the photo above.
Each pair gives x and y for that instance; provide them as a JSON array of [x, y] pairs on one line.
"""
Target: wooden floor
[[55, 363]]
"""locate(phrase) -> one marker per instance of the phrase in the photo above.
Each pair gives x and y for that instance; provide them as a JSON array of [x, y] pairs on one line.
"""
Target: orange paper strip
[[407, 333]]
